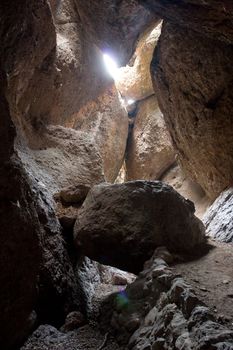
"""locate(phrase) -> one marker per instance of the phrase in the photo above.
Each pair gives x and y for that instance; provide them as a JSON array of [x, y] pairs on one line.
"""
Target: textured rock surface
[[64, 157], [27, 34], [69, 76], [122, 224], [49, 338], [115, 25], [197, 107], [20, 253], [219, 217], [161, 311], [176, 178], [134, 82], [149, 151], [106, 120], [74, 194], [210, 17]]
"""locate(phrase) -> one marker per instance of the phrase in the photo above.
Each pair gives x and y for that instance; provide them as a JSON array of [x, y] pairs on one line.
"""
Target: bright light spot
[[130, 102], [111, 66]]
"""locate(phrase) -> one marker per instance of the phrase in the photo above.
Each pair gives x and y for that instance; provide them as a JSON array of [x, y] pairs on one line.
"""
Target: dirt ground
[[212, 278]]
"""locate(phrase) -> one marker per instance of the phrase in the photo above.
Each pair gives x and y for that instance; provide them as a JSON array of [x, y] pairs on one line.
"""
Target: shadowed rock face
[[218, 218], [20, 254], [213, 18], [115, 25], [149, 151], [122, 224], [193, 80]]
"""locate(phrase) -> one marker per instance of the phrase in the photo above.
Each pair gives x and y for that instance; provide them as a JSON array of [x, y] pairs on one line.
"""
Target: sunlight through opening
[[111, 66]]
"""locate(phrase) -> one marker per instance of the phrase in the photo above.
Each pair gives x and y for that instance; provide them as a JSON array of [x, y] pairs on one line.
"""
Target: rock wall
[[106, 120], [149, 151], [212, 18], [115, 25], [193, 80]]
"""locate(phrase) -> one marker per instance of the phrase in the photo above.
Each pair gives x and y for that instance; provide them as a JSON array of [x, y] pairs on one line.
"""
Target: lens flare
[[122, 299]]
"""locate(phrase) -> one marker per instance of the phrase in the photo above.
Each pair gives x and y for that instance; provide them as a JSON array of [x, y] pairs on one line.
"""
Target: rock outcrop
[[106, 120], [115, 25], [20, 253], [196, 105], [122, 224], [149, 151], [212, 18], [219, 217], [177, 178], [63, 157], [134, 81], [162, 311]]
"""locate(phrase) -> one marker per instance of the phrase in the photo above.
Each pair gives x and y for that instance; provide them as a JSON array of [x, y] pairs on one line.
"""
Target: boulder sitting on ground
[[218, 218], [122, 224]]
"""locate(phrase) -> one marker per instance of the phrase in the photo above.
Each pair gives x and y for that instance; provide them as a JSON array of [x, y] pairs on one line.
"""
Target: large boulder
[[149, 151], [134, 81], [212, 18], [64, 157], [115, 25], [106, 121], [193, 81], [122, 224], [219, 217]]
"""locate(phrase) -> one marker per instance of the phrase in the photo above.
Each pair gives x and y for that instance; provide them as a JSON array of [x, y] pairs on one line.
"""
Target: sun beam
[[111, 66]]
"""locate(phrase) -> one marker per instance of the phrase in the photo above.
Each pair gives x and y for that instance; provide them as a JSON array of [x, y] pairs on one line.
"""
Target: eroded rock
[[106, 121], [196, 106], [115, 25], [177, 178], [218, 218], [163, 310], [64, 157], [134, 81], [122, 224], [150, 151], [74, 194], [212, 18]]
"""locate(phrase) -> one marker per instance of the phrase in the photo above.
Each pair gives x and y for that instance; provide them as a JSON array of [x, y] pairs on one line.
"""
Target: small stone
[[133, 323], [74, 320], [74, 194], [226, 281]]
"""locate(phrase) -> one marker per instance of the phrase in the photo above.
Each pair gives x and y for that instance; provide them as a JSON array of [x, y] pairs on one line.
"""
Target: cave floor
[[212, 278]]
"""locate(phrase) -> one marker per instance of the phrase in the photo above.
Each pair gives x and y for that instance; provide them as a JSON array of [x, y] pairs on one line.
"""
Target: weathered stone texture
[[213, 18], [159, 310], [122, 224], [193, 80], [149, 151], [106, 121], [219, 217], [115, 25], [134, 81]]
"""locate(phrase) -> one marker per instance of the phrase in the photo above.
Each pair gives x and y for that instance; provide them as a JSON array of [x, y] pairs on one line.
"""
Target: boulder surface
[[219, 217], [150, 151], [193, 80], [122, 224]]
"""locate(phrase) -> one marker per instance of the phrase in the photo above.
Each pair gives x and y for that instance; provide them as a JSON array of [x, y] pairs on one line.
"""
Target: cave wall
[[192, 74]]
